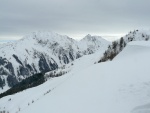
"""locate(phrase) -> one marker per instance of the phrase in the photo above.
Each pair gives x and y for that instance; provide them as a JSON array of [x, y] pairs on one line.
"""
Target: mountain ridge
[[42, 52], [118, 45]]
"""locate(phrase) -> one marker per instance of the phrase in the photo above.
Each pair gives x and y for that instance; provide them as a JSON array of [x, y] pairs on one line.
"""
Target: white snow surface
[[118, 86]]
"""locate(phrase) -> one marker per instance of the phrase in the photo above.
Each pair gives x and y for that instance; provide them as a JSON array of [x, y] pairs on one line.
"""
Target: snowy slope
[[118, 45], [120, 86], [42, 52], [38, 92]]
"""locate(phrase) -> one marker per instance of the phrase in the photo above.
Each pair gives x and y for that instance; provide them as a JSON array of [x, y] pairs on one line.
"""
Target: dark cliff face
[[7, 70], [25, 70], [5, 64], [2, 83], [45, 66]]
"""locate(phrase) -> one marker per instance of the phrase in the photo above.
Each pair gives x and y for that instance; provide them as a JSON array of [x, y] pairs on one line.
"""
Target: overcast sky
[[74, 18]]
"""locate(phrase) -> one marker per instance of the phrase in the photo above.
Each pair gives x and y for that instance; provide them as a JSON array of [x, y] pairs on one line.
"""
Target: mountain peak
[[88, 35], [90, 38], [44, 35]]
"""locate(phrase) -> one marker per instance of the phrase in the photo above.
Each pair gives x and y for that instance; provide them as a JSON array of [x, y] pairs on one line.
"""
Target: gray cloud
[[72, 17]]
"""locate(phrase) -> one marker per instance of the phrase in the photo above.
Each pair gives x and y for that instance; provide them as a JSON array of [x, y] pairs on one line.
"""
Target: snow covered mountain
[[117, 46], [119, 86], [42, 52], [137, 35]]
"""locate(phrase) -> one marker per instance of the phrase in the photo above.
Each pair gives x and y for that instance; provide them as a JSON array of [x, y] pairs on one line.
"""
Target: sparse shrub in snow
[[19, 109], [9, 99], [122, 43], [32, 101], [47, 92], [4, 111], [72, 64], [56, 73], [147, 38]]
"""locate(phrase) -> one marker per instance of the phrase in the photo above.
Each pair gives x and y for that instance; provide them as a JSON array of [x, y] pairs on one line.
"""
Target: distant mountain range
[[40, 52]]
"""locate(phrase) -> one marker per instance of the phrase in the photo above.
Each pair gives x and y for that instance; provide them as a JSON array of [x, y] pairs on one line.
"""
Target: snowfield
[[34, 94], [118, 86]]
